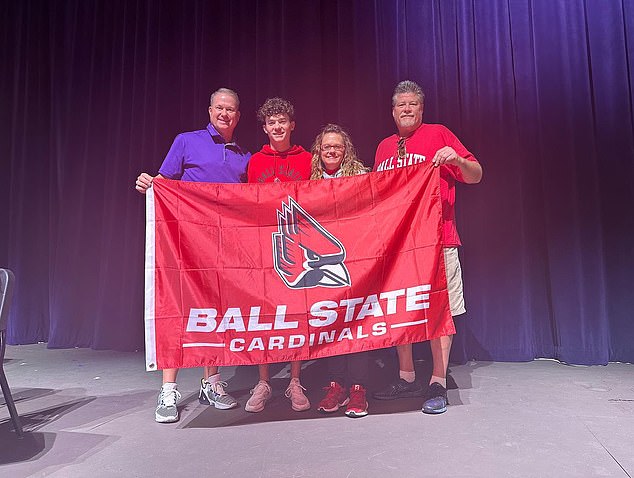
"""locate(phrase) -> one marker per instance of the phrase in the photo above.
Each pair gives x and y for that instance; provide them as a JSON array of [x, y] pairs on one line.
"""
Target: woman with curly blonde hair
[[334, 155]]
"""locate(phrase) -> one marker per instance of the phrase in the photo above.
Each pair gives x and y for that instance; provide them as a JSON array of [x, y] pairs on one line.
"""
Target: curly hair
[[276, 106], [350, 165]]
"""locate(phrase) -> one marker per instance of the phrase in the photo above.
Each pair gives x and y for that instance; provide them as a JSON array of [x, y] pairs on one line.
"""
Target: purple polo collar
[[217, 137]]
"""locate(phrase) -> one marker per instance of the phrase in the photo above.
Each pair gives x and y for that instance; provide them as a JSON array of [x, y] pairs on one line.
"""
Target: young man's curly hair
[[275, 106]]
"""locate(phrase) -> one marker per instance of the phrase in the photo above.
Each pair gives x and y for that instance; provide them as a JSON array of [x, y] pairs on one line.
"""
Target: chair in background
[[6, 294]]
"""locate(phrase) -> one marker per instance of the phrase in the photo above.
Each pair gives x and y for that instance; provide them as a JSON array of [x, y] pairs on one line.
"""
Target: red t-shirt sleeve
[[452, 140]]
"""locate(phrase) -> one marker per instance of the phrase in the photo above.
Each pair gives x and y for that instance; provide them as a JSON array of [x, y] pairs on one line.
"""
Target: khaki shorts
[[454, 281]]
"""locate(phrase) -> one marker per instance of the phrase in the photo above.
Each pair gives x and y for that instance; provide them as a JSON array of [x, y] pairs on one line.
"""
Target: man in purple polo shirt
[[208, 155]]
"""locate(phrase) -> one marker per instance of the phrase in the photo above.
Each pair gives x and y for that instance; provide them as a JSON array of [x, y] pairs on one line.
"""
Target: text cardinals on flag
[[257, 273]]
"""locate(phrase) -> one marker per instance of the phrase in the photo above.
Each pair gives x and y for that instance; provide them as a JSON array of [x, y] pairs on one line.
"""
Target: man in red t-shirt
[[278, 161], [418, 143]]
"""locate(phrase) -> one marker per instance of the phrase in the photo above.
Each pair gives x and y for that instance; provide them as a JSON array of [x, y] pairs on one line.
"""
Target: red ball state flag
[[256, 273]]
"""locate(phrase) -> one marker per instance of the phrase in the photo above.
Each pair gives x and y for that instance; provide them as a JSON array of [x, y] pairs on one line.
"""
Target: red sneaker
[[335, 398], [358, 405]]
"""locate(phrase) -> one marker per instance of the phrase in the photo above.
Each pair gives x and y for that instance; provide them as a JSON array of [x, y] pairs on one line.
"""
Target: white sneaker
[[260, 394], [295, 391], [166, 411]]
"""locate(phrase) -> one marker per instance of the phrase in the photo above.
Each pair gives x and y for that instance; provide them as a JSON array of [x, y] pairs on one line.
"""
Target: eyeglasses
[[401, 148], [331, 147]]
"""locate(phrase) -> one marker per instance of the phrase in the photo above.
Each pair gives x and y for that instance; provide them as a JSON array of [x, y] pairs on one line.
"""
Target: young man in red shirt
[[278, 161]]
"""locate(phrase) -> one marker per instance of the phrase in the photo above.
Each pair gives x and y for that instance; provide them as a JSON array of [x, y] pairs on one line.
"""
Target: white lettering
[[329, 316], [232, 320], [256, 343], [295, 341], [380, 328], [201, 320], [415, 300], [370, 307], [346, 333], [350, 305], [280, 317], [236, 345], [391, 297], [324, 337], [360, 334], [276, 343], [254, 321]]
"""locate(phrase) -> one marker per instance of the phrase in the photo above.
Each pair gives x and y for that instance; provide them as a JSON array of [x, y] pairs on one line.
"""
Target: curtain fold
[[93, 93]]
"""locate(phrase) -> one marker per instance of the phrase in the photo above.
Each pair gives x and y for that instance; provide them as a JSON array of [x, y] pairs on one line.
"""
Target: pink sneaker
[[259, 396], [295, 391]]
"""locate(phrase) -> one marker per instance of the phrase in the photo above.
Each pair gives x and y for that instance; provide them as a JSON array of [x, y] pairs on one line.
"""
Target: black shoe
[[400, 389], [436, 399]]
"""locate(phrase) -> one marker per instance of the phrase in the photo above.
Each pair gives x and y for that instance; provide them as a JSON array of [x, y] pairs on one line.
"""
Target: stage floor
[[91, 413]]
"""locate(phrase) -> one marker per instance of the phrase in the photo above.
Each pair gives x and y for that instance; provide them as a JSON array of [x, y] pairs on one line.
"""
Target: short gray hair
[[225, 91], [408, 86]]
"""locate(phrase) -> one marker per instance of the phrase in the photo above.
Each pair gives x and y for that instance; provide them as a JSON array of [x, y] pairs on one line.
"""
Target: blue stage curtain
[[93, 92]]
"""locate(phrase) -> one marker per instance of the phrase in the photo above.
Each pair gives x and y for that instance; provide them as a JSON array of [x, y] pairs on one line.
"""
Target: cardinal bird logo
[[305, 254]]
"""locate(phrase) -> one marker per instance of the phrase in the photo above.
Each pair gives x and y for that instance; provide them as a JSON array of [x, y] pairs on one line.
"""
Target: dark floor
[[91, 413]]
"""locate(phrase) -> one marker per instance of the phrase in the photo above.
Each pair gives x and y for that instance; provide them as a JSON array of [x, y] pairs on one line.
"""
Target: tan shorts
[[454, 281]]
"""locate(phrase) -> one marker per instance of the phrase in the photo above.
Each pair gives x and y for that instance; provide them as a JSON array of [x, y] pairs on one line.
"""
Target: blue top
[[204, 156]]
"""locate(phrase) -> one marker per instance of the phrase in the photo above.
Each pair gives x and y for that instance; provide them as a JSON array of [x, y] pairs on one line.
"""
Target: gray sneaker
[[214, 394], [166, 411], [260, 394]]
